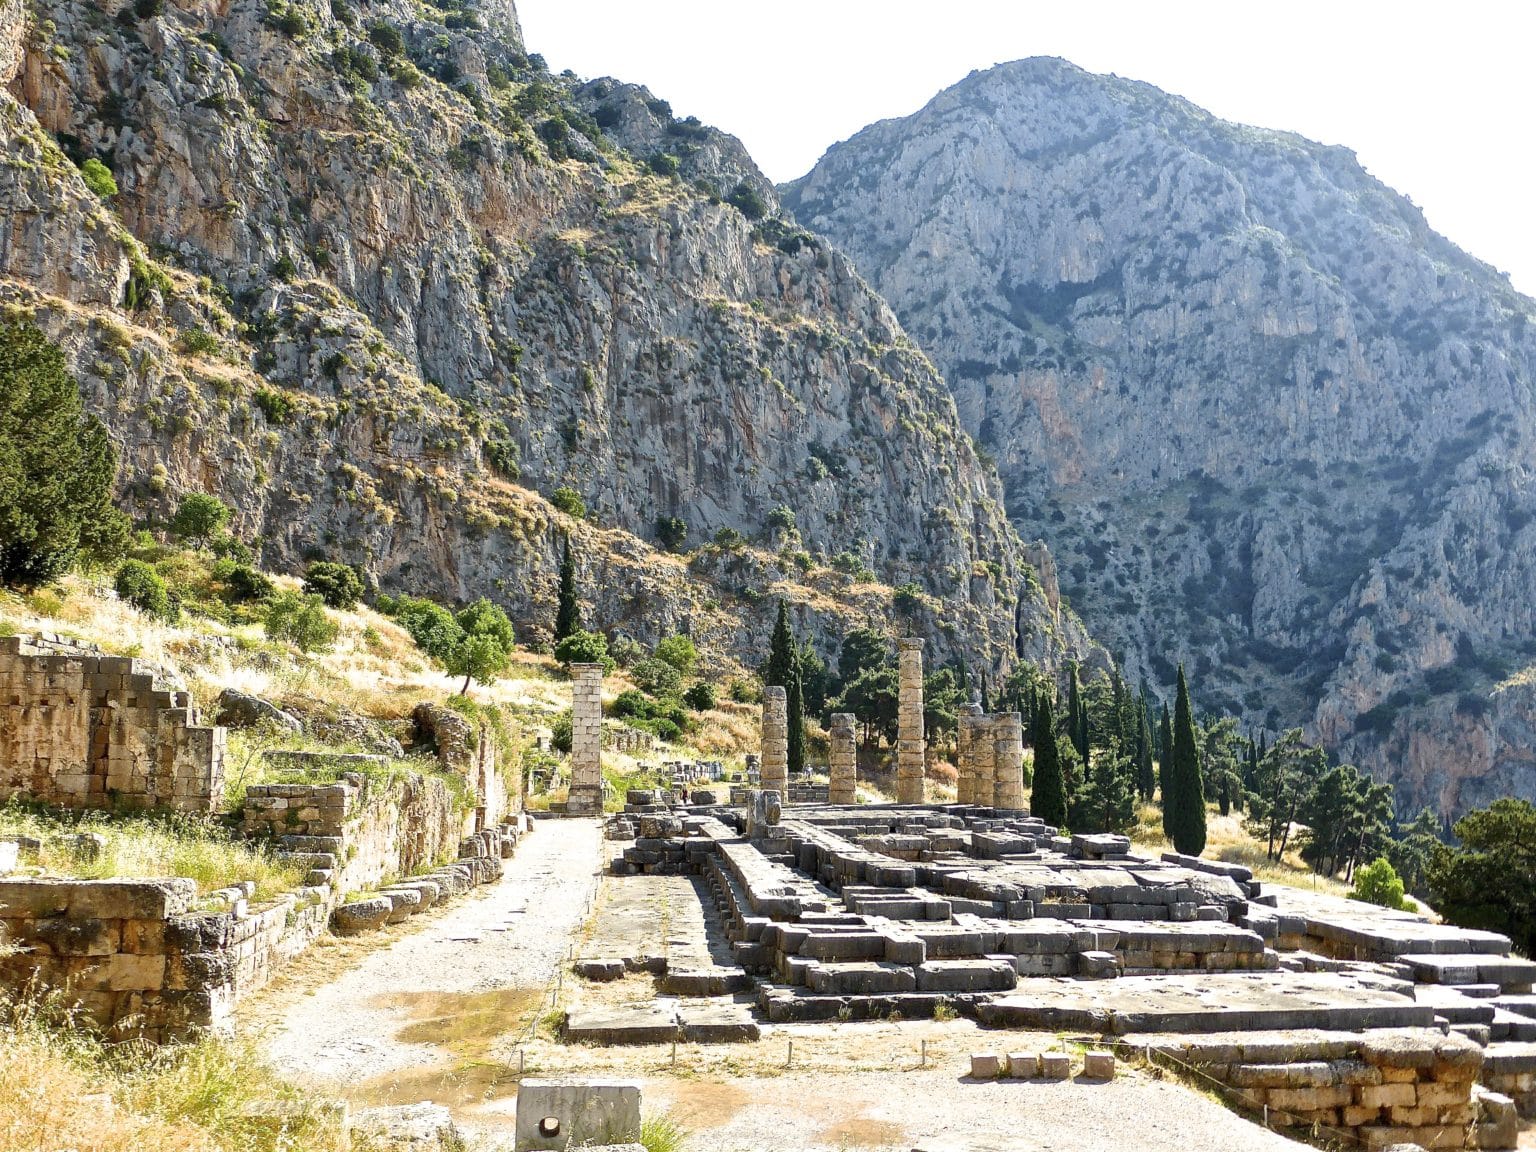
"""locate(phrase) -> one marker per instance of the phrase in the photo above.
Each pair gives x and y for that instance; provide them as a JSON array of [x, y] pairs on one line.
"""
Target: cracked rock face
[[1268, 422], [384, 285]]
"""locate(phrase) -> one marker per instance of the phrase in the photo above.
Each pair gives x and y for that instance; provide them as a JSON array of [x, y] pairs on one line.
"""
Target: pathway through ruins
[[440, 1013], [426, 1017]]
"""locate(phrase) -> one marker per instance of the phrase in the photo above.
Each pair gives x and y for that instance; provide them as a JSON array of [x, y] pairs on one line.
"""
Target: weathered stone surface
[[409, 1128], [576, 1112], [361, 915], [238, 709]]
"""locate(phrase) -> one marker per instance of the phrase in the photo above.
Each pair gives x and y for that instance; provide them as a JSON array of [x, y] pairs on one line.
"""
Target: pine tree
[[1048, 795], [1164, 751], [567, 610], [1184, 791]]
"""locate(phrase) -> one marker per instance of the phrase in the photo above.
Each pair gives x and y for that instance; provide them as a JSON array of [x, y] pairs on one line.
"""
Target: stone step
[[1510, 972]]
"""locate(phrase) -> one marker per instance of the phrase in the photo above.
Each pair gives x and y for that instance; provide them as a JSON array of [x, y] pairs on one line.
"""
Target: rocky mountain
[[366, 269], [1270, 423]]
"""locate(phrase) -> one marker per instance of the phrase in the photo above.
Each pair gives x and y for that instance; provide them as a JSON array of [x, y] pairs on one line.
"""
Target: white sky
[[1435, 98]]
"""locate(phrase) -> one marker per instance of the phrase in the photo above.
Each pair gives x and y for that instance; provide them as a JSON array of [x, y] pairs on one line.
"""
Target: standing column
[[844, 760], [965, 734], [910, 766], [774, 775], [1008, 754], [586, 796], [983, 757]]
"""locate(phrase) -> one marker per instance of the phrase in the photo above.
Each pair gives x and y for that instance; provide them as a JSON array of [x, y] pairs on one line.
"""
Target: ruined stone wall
[[80, 729], [467, 750], [586, 793], [138, 960], [360, 830]]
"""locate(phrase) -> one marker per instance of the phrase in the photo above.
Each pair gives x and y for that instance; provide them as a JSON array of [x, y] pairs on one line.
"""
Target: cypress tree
[[1048, 793], [567, 611], [1164, 750], [781, 651], [796, 716], [1184, 798], [1146, 778], [1077, 717], [986, 698]]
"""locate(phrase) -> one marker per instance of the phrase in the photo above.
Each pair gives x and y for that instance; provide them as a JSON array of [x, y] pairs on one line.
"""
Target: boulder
[[242, 710], [361, 915]]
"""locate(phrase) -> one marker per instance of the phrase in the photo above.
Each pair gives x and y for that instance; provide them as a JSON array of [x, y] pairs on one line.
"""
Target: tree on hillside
[[199, 518], [1286, 775], [783, 670], [872, 696], [1220, 747], [57, 467], [1184, 792], [1107, 801], [1077, 726], [1412, 850], [863, 649], [1489, 882], [567, 610], [1048, 795], [485, 650]]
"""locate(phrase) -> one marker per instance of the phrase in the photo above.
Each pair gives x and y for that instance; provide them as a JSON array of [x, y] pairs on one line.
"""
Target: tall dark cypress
[[781, 651], [1164, 751], [795, 714], [1184, 798], [1077, 718], [1146, 778], [1048, 794], [567, 610], [986, 697]]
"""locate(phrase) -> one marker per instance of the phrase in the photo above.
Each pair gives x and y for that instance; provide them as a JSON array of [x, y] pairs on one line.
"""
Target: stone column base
[[585, 800]]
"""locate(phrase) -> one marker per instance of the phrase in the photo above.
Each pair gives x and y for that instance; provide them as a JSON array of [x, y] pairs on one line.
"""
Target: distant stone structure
[[1008, 761], [843, 762], [81, 729], [774, 774], [911, 769], [586, 793], [965, 734]]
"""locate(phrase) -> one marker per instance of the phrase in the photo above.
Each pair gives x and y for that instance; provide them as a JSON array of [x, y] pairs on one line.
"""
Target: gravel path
[[466, 977]]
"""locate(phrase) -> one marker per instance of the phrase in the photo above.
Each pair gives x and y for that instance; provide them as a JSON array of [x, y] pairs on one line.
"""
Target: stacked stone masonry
[[911, 768], [774, 773], [1008, 762], [843, 760], [586, 792], [965, 735], [80, 729]]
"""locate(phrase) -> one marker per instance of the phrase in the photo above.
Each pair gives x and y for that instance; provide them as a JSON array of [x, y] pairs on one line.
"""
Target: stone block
[[1056, 1065], [129, 973], [986, 1065], [1388, 1096], [561, 1114], [1023, 1065], [361, 916], [1099, 1065]]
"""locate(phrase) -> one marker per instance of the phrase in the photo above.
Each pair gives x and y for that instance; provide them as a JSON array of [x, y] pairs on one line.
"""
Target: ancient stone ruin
[[586, 793], [774, 773], [911, 767], [81, 729], [843, 765]]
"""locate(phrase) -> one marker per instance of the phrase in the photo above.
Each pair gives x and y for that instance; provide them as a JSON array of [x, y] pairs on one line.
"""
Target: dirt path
[[416, 1019]]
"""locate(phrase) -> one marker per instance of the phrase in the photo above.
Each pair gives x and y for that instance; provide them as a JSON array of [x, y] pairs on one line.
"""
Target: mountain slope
[[380, 280], [1270, 423]]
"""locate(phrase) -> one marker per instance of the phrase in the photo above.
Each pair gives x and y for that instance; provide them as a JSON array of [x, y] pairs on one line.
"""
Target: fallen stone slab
[[645, 1022], [716, 1022], [408, 1128], [361, 916]]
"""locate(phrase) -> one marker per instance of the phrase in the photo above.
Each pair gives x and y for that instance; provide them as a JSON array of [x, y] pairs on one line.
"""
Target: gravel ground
[[439, 1012], [495, 951]]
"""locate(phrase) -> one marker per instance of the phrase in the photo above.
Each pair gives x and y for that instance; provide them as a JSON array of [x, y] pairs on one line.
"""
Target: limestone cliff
[[1269, 422], [380, 280]]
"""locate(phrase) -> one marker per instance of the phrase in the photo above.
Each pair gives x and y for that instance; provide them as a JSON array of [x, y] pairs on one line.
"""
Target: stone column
[[965, 754], [983, 757], [910, 765], [844, 759], [586, 796], [774, 774], [1008, 756]]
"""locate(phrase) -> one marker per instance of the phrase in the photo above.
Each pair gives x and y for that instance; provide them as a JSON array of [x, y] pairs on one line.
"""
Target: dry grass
[[150, 847], [1228, 841], [64, 1089]]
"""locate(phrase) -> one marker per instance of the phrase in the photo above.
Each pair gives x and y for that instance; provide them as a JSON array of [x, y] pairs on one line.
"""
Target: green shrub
[[275, 406], [569, 501], [657, 677], [141, 586], [200, 518], [672, 532], [663, 164], [301, 621], [626, 652], [907, 598], [633, 704], [1378, 883], [583, 647], [430, 625], [700, 697], [98, 178], [227, 547], [741, 692], [748, 201], [242, 583], [337, 584], [197, 342], [678, 651], [782, 518], [386, 38], [560, 733]]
